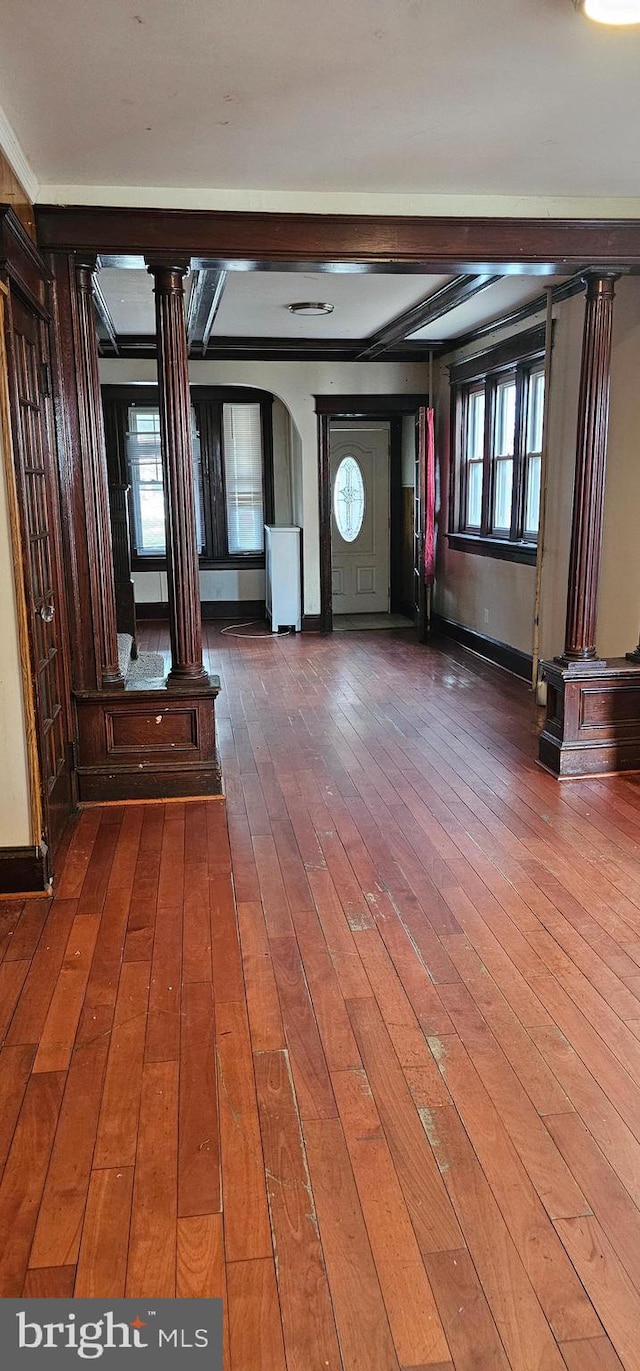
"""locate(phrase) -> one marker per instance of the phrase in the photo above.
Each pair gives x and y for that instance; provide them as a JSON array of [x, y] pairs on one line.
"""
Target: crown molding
[[328, 202], [14, 154]]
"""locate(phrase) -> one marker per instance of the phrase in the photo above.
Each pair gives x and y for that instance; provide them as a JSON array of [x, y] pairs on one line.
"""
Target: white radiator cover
[[283, 590]]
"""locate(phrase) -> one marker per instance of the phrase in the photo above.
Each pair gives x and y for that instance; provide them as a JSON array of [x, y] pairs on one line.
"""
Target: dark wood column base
[[593, 718], [579, 666], [199, 680], [147, 743]]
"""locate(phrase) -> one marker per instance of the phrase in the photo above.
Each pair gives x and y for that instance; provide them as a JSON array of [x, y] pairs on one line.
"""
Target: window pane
[[474, 495], [535, 412], [532, 508], [242, 450], [502, 496], [348, 499], [505, 419], [147, 486], [475, 425]]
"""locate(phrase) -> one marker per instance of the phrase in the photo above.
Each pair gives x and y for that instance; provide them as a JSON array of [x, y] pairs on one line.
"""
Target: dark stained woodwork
[[217, 239], [39, 559], [270, 349], [511, 658], [146, 743], [588, 493], [324, 489], [94, 462], [80, 569], [434, 307], [23, 870], [183, 582], [593, 707], [593, 718]]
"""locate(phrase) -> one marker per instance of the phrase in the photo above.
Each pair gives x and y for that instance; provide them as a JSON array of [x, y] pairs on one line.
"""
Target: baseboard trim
[[312, 623], [210, 609], [23, 871], [501, 654]]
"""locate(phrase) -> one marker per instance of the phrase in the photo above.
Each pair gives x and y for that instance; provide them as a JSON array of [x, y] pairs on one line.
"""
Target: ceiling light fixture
[[310, 307], [616, 12]]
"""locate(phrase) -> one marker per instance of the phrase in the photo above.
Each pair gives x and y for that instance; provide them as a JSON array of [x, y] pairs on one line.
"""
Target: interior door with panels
[[27, 347], [360, 532]]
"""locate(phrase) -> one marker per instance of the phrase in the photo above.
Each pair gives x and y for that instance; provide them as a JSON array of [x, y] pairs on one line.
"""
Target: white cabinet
[[283, 592]]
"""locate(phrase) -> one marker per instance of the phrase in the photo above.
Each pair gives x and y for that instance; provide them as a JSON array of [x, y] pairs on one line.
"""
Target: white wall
[[15, 827], [295, 384]]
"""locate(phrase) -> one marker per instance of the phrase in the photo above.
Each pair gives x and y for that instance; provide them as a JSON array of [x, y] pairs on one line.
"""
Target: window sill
[[499, 548]]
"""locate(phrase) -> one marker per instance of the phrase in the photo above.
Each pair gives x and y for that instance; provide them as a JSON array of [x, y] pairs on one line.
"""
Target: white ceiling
[[254, 304], [494, 97], [492, 303]]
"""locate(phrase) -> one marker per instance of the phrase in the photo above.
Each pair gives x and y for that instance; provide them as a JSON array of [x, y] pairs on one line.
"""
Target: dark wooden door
[[37, 487], [419, 520]]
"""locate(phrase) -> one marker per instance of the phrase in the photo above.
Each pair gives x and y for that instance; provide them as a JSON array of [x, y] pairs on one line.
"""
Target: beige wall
[[295, 384], [498, 598], [14, 774], [619, 607]]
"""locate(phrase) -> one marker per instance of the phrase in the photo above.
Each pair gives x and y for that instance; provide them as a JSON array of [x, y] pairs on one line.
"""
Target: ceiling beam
[[204, 302], [107, 336], [441, 302]]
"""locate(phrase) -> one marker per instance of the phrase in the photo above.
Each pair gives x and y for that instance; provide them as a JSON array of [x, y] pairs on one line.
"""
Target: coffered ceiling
[[374, 316]]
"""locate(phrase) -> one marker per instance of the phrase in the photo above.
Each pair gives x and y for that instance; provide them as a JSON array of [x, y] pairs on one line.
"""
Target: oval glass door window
[[348, 499]]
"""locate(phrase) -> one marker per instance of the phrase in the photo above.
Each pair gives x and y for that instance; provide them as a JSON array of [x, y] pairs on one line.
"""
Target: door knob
[[47, 612]]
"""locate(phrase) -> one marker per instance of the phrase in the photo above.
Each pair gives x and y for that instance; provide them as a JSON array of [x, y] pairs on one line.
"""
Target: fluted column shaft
[[94, 466], [588, 492], [185, 622]]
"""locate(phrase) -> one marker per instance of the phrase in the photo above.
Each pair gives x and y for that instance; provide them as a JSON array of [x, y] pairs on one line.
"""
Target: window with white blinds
[[144, 459], [243, 476]]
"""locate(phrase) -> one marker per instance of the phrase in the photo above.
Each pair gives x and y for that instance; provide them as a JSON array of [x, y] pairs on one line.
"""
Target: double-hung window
[[231, 438], [498, 408]]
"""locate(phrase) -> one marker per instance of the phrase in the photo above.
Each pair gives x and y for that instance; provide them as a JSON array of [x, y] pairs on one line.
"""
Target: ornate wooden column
[[94, 467], [593, 706], [187, 671], [588, 492]]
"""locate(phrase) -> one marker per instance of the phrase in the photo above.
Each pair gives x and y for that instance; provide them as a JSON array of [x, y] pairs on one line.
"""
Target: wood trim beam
[[107, 336], [563, 291], [283, 349], [433, 307], [299, 241], [204, 302]]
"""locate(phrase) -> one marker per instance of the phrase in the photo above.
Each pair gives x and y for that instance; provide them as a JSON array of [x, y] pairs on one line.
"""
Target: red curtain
[[430, 501]]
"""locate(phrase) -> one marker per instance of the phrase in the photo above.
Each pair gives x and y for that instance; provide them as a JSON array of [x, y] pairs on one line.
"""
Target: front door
[[359, 463], [37, 488]]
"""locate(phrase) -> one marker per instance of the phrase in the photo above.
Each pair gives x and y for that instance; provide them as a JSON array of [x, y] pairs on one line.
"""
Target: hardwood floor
[[367, 1063]]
